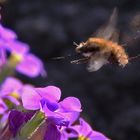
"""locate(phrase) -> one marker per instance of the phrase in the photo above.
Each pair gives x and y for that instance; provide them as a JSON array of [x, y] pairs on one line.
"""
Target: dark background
[[110, 97]]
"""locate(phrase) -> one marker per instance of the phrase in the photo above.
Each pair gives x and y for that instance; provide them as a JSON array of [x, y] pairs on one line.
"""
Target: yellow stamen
[[14, 59], [83, 138], [15, 95], [17, 57]]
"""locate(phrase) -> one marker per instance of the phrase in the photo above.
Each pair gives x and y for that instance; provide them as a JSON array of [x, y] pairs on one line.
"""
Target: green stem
[[9, 68], [31, 126], [6, 71]]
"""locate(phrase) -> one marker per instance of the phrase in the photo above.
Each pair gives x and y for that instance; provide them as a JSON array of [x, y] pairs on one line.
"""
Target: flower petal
[[71, 116], [97, 136], [16, 119], [4, 118], [58, 121], [7, 34], [30, 98], [85, 127], [71, 104], [3, 106], [52, 106], [52, 133], [51, 93], [10, 85], [30, 66], [17, 47]]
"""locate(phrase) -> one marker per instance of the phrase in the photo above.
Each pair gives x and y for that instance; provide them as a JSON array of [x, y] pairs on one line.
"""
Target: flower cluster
[[20, 58], [60, 116], [10, 93], [39, 113]]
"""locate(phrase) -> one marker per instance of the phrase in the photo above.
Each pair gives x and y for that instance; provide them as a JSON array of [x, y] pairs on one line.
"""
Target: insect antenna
[[137, 36], [134, 57], [80, 61], [64, 57], [61, 57]]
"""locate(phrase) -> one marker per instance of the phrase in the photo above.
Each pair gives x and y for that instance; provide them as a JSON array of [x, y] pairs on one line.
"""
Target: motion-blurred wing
[[96, 63], [109, 31]]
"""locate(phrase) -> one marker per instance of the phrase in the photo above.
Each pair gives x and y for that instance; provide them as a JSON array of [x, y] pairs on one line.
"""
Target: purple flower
[[84, 131], [47, 99], [11, 84], [8, 41], [11, 90], [32, 97], [25, 62], [6, 36], [30, 66]]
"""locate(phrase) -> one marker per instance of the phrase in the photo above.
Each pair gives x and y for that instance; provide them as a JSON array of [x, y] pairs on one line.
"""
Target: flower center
[[83, 138], [14, 59], [15, 95]]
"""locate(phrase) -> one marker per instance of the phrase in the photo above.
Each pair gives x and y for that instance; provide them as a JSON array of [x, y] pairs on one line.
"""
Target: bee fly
[[103, 48]]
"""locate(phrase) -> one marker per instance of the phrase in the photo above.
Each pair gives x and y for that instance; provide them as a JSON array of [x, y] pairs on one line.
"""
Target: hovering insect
[[103, 48]]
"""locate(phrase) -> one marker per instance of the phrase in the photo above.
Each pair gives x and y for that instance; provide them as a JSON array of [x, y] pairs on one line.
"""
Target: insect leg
[[80, 61]]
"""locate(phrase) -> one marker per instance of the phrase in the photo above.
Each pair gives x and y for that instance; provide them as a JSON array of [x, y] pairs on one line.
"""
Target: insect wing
[[109, 31], [96, 63]]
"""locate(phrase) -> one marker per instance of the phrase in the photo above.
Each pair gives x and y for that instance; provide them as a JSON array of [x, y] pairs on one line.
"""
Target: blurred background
[[111, 96]]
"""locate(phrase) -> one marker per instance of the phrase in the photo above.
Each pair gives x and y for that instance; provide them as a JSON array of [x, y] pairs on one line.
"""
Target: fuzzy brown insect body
[[99, 51], [103, 47], [113, 50]]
